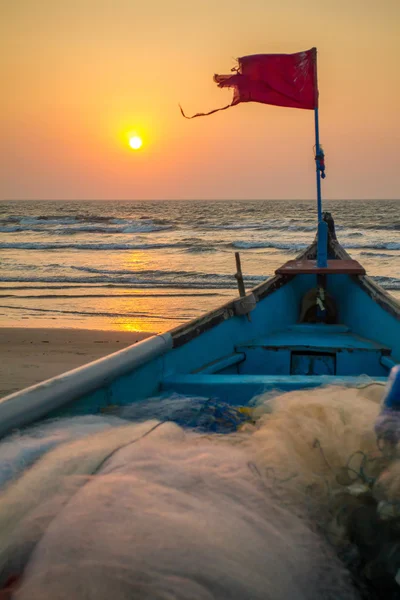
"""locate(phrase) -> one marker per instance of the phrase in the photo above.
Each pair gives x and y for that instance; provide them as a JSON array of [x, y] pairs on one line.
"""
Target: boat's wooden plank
[[387, 362], [309, 267], [315, 340], [319, 327], [222, 363]]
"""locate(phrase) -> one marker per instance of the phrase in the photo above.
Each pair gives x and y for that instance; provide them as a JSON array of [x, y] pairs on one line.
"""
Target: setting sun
[[135, 142]]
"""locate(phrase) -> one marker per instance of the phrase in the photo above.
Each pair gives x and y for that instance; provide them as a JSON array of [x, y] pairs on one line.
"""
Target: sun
[[135, 142]]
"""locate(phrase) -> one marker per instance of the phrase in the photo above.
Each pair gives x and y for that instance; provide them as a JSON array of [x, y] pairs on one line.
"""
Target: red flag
[[280, 79]]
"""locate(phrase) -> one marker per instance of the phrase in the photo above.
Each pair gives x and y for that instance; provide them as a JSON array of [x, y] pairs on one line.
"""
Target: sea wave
[[291, 247], [165, 274], [71, 219], [144, 279], [261, 226], [392, 226], [160, 279], [388, 283], [200, 248], [297, 247], [374, 246], [88, 246], [378, 254], [126, 227], [127, 294], [136, 315]]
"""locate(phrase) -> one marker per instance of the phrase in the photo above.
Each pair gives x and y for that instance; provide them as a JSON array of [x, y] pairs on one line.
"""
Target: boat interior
[[291, 348], [309, 326]]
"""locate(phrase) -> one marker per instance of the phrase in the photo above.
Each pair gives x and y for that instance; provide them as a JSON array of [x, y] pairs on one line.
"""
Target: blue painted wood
[[273, 313], [318, 338], [312, 364], [278, 361], [318, 173], [322, 246], [363, 315], [274, 353], [223, 363], [387, 362], [350, 362], [265, 361], [320, 328]]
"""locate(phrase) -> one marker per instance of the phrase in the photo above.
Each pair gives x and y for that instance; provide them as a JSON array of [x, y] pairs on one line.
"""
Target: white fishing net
[[152, 510], [20, 451]]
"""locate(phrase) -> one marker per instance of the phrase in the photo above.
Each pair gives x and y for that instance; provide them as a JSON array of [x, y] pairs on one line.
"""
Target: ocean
[[151, 265]]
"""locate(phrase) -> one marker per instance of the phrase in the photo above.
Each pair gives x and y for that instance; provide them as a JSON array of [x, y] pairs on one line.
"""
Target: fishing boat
[[318, 321], [304, 327]]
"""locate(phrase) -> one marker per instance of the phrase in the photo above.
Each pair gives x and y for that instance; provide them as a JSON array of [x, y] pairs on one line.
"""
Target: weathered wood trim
[[221, 363], [188, 331]]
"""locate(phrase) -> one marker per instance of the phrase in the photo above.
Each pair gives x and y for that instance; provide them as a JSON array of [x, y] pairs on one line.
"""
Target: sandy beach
[[29, 356]]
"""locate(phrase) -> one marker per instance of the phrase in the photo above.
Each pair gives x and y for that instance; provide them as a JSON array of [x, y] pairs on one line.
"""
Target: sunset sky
[[80, 76]]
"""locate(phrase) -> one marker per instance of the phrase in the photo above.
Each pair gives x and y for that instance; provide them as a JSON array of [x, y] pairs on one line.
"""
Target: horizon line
[[197, 200]]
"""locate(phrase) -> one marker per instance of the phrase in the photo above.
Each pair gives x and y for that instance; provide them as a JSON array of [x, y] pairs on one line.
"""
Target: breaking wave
[[388, 283], [266, 226], [154, 278], [145, 278], [374, 246], [297, 247], [88, 313], [290, 247], [88, 246], [77, 225], [191, 245], [378, 254]]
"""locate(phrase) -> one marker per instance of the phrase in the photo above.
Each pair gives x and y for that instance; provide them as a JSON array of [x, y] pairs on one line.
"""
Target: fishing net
[[20, 451], [125, 506], [206, 415]]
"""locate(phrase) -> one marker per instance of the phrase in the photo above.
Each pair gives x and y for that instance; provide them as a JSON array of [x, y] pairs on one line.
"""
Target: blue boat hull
[[271, 339]]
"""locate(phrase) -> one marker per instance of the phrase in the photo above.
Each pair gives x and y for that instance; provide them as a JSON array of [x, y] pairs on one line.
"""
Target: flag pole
[[317, 153], [322, 240]]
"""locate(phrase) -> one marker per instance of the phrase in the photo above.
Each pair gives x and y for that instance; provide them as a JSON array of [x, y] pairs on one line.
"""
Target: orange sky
[[80, 74]]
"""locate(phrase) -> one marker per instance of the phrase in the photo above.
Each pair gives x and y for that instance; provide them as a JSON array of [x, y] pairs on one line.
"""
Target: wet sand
[[28, 356]]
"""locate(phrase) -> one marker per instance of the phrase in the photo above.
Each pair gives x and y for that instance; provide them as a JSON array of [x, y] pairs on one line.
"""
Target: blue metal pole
[[319, 200], [322, 245]]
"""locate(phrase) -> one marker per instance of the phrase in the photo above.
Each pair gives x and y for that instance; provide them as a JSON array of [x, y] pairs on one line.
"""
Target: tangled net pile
[[181, 498]]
